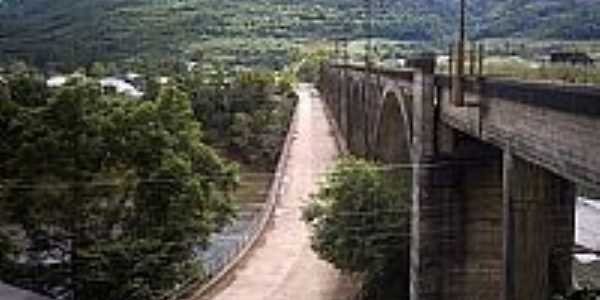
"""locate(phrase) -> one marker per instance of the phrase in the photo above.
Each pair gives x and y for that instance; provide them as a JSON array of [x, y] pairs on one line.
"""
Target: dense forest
[[78, 32], [92, 179]]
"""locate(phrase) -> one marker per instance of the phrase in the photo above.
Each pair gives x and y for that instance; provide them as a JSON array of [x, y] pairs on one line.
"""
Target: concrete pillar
[[340, 96], [370, 97], [472, 217], [327, 85], [344, 105], [477, 272], [508, 228], [335, 83], [351, 115], [357, 117], [539, 231], [425, 252]]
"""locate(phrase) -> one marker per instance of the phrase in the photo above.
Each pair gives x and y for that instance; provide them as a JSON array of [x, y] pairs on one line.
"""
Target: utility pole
[[460, 62], [461, 40], [336, 49], [369, 47]]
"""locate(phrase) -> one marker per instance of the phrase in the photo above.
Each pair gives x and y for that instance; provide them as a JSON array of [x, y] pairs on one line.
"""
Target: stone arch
[[394, 128], [393, 148]]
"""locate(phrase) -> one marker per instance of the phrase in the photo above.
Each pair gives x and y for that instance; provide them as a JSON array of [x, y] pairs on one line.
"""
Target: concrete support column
[[340, 92], [473, 254], [425, 251], [357, 114], [335, 90], [368, 99], [328, 85], [338, 103], [508, 228], [538, 231], [426, 266], [344, 105], [351, 114]]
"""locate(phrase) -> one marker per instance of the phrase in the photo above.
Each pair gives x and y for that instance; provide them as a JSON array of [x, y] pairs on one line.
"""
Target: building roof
[[8, 292]]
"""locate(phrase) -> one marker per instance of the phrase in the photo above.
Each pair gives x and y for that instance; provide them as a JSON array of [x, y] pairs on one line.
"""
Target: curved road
[[283, 266]]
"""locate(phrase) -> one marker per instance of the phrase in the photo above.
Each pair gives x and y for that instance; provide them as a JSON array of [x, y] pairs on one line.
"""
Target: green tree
[[246, 114], [110, 198], [152, 88], [308, 64], [360, 220], [98, 70], [4, 89], [26, 86]]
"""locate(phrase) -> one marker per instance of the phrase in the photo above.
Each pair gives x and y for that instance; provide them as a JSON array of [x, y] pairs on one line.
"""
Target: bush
[[360, 222]]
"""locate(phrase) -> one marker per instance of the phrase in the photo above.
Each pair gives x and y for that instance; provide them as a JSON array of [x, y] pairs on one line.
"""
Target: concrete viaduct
[[493, 179]]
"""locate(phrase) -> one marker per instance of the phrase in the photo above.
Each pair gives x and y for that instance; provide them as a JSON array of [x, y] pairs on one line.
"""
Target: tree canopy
[[106, 197], [360, 223], [246, 114]]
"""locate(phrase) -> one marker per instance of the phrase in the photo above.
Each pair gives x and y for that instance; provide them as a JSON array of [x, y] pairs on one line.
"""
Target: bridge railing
[[391, 72]]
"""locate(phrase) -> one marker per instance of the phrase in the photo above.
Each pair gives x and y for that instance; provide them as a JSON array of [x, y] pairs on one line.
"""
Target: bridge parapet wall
[[555, 127]]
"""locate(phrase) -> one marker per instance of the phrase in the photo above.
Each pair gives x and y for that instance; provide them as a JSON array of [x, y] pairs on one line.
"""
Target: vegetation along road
[[283, 266]]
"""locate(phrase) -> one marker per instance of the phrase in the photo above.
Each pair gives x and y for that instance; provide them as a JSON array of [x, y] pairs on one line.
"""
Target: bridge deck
[[283, 266]]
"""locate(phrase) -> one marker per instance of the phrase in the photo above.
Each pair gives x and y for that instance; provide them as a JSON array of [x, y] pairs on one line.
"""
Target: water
[[227, 243]]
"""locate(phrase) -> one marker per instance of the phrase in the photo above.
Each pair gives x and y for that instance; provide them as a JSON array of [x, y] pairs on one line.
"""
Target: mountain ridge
[[83, 31]]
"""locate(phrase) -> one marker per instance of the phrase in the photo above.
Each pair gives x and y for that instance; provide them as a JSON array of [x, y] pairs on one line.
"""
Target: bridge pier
[[429, 183], [486, 224], [344, 100], [473, 220], [426, 254], [507, 225], [539, 231], [356, 117]]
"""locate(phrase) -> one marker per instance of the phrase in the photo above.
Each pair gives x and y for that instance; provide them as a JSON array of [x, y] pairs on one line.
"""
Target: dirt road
[[283, 266]]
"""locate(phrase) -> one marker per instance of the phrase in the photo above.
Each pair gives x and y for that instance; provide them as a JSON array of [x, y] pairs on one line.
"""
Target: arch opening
[[394, 132]]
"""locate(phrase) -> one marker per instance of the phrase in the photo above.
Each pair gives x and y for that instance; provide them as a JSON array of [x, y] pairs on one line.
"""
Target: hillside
[[261, 31]]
